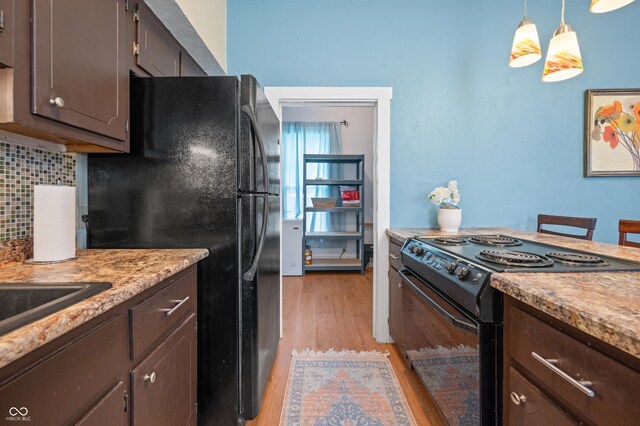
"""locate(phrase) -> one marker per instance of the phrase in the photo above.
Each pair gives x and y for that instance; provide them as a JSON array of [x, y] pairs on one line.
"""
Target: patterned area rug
[[453, 378], [344, 388]]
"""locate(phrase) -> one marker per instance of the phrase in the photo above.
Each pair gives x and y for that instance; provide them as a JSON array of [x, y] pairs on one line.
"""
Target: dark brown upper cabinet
[[6, 33], [189, 67], [155, 49], [79, 64]]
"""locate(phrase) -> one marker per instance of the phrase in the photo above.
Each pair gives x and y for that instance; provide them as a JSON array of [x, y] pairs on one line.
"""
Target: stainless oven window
[[442, 344]]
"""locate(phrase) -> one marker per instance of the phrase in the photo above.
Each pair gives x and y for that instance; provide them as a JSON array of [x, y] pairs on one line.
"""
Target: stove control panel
[[446, 264]]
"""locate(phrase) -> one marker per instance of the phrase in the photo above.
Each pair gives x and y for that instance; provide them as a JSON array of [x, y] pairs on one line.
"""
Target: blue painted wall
[[514, 143]]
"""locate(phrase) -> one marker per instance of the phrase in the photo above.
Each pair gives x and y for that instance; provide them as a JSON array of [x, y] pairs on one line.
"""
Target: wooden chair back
[[587, 223], [628, 227]]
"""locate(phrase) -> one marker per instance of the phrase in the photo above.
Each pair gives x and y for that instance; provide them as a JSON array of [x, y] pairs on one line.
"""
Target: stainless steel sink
[[23, 303]]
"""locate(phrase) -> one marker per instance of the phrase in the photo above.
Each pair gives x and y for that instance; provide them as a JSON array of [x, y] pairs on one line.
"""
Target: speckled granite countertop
[[129, 271], [605, 305]]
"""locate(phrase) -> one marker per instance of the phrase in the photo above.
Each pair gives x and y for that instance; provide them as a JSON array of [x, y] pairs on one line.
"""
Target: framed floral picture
[[612, 132]]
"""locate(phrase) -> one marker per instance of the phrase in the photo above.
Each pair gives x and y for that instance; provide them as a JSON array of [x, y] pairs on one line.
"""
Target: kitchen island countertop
[[129, 271], [605, 305]]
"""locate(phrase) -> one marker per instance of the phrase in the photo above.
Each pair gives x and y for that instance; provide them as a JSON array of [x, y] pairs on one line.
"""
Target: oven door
[[443, 346]]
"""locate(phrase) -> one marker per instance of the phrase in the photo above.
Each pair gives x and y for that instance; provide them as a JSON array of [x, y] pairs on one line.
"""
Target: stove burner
[[450, 241], [576, 259], [495, 240], [514, 258]]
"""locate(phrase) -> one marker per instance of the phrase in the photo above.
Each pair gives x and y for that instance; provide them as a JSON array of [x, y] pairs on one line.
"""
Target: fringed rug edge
[[345, 353]]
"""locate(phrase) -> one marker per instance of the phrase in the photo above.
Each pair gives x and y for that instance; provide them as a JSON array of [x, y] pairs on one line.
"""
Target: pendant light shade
[[526, 45], [563, 57], [603, 6]]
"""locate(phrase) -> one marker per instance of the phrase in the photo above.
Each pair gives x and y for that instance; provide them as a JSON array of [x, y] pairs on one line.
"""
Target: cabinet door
[[395, 307], [529, 406], [80, 74], [59, 388], [109, 411], [164, 384], [6, 33], [157, 51], [189, 67]]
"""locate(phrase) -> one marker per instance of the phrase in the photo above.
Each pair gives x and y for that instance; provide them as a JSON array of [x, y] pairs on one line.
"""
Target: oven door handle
[[455, 321]]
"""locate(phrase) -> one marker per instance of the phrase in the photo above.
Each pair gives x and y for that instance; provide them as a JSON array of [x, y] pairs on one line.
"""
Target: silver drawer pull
[[151, 378], [169, 311], [551, 364], [393, 257], [518, 399]]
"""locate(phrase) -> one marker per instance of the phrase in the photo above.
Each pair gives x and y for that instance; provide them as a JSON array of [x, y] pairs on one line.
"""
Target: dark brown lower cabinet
[[88, 376], [395, 306], [72, 379], [395, 295], [164, 383], [564, 375], [110, 410], [530, 407]]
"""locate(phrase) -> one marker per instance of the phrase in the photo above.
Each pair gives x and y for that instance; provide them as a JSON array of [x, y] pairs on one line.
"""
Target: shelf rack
[[357, 235]]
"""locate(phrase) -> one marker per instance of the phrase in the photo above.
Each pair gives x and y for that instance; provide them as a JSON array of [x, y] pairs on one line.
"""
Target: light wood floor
[[333, 310]]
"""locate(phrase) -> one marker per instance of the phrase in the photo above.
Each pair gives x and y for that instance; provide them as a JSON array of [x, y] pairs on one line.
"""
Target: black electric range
[[460, 266], [452, 318]]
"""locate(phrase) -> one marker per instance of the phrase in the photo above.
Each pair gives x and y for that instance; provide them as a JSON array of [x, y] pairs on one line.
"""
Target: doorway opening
[[331, 104]]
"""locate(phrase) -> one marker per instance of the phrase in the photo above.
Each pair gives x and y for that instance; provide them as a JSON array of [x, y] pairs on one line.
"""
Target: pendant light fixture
[[603, 6], [526, 44], [563, 57]]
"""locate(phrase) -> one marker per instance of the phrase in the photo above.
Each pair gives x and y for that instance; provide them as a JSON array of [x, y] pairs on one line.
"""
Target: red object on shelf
[[350, 196]]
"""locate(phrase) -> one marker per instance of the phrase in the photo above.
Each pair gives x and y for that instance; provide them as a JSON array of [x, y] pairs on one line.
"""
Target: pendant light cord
[[562, 17], [525, 8]]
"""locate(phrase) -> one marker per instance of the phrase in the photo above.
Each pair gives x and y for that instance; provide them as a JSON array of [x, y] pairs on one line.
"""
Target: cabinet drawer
[[64, 386], [157, 315], [164, 384], [529, 406], [394, 256], [615, 386]]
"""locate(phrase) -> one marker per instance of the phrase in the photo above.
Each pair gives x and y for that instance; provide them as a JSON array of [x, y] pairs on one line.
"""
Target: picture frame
[[612, 132]]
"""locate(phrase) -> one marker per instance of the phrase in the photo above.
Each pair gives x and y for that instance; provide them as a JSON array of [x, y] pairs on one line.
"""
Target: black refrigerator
[[204, 171]]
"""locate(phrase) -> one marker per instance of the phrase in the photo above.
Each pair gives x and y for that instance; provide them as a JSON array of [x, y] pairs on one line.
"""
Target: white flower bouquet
[[446, 197]]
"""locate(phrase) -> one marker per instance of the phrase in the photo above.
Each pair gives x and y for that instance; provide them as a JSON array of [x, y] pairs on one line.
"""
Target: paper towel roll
[[54, 222]]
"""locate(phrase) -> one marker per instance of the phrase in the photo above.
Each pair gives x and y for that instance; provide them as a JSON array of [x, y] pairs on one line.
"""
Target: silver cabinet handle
[[393, 257], [518, 399], [399, 285], [1, 21], [169, 311], [57, 102], [552, 364], [151, 377]]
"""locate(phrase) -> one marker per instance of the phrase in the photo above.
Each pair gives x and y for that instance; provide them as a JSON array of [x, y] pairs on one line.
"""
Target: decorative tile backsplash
[[20, 169]]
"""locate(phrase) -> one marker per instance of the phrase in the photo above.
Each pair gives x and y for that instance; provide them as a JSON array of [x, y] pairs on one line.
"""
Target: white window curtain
[[301, 138]]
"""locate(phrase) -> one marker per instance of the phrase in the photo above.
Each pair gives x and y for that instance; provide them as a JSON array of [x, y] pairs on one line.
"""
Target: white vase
[[449, 219]]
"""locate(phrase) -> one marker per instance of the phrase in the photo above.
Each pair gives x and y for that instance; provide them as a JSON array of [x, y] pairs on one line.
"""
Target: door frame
[[380, 99]]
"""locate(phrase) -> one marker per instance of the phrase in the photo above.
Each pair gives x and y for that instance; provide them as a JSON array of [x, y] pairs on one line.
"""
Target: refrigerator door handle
[[248, 111], [251, 273]]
